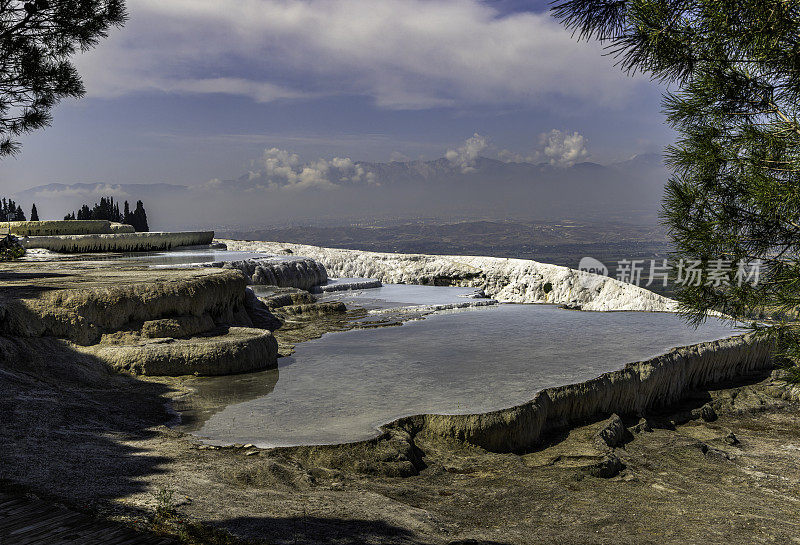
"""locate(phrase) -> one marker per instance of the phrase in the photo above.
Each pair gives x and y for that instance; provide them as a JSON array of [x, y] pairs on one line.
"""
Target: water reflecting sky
[[342, 386]]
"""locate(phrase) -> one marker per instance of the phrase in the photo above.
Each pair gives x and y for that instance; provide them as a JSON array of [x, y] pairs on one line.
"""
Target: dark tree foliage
[[10, 211], [139, 218], [107, 209], [37, 39], [734, 192], [34, 213]]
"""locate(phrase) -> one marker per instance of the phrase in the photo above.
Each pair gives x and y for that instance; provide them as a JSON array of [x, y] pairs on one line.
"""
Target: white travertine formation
[[118, 242], [507, 280], [348, 285], [121, 228], [281, 271], [63, 227]]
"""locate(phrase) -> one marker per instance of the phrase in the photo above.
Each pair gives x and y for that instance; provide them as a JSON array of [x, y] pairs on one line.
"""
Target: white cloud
[[402, 53], [563, 149], [512, 157], [465, 155], [555, 147], [281, 169]]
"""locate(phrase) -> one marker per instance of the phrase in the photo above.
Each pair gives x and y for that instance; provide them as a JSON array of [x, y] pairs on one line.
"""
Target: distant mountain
[[653, 161], [481, 170], [480, 188], [89, 190]]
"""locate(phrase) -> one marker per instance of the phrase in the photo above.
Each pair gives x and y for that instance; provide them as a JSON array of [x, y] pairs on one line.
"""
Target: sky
[[196, 90]]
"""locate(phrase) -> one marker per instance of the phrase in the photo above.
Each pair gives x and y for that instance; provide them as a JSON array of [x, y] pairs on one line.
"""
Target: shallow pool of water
[[341, 387], [399, 295]]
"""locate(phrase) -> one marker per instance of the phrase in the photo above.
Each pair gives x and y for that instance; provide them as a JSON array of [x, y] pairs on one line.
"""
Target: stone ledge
[[240, 350], [118, 242]]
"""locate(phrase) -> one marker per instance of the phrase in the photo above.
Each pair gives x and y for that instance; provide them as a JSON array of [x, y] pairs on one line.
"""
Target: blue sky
[[192, 90]]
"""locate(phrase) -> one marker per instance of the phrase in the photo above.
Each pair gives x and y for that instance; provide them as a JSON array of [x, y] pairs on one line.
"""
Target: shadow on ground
[[66, 434], [329, 531], [65, 416]]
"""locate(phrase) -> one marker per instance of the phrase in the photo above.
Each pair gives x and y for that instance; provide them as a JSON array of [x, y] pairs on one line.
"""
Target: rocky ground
[[98, 441], [722, 467]]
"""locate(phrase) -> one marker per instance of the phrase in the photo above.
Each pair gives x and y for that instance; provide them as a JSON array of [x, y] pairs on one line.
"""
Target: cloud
[[281, 169], [404, 54], [465, 155], [555, 147], [513, 157], [562, 149]]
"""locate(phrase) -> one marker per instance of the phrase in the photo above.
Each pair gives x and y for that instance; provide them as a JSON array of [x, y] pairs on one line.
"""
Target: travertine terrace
[[507, 280]]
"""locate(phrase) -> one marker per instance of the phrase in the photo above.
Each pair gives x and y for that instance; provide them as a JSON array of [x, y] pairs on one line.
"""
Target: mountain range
[[481, 188]]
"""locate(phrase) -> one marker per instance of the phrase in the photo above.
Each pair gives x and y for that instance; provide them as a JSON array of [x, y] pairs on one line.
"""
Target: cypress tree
[[108, 209], [140, 218], [34, 213]]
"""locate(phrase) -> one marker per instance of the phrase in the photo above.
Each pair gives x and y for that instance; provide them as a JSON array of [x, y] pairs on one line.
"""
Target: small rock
[[249, 445], [259, 312], [612, 434], [731, 439], [642, 426], [251, 453], [238, 445], [609, 466], [708, 413], [778, 374], [712, 452]]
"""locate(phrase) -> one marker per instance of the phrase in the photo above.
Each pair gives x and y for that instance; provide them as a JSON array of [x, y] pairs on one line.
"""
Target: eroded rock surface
[[80, 305], [237, 350], [144, 321], [284, 272], [259, 313], [181, 326], [119, 240], [282, 297], [613, 433], [315, 309]]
